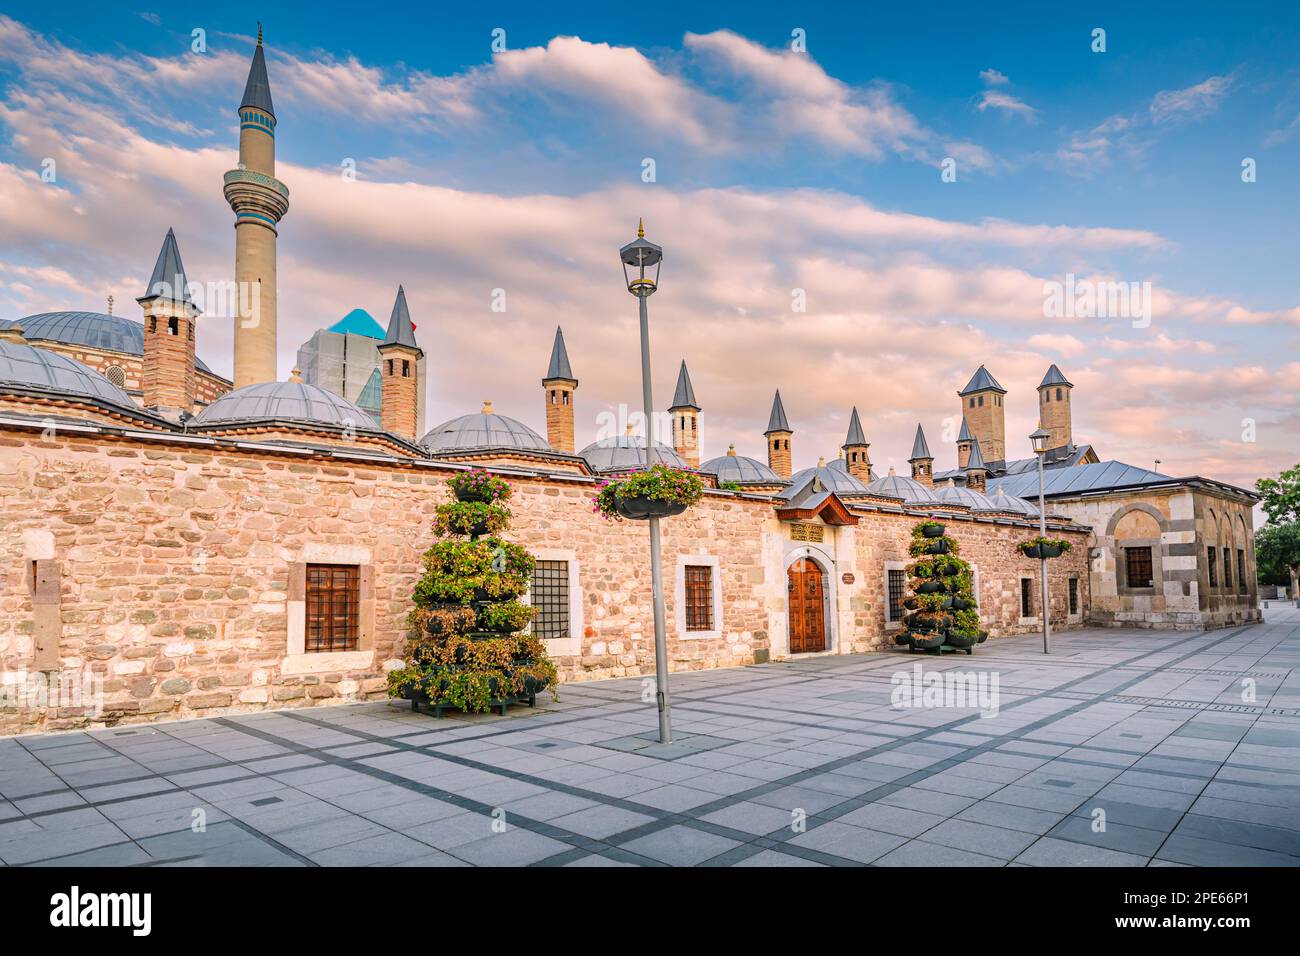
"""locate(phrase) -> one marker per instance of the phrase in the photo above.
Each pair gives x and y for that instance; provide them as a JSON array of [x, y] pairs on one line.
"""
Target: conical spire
[[920, 449], [684, 396], [1054, 376], [965, 434], [776, 422], [855, 436], [168, 279], [976, 460], [559, 367], [257, 91], [400, 329], [982, 381]]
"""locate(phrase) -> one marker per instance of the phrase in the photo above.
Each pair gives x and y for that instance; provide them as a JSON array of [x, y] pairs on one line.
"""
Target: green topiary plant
[[468, 649], [942, 607]]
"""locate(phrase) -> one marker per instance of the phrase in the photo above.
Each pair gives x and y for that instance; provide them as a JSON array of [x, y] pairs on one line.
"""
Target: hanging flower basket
[[656, 492], [478, 485], [931, 529], [1043, 547], [937, 546]]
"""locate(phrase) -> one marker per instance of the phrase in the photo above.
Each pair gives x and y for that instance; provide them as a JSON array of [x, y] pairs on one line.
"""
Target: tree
[[1277, 554], [1281, 501]]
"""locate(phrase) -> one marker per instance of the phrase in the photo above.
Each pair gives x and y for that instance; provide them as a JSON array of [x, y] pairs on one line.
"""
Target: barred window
[[1227, 568], [1026, 597], [699, 598], [897, 585], [1074, 595], [333, 601], [1137, 568], [116, 374], [1212, 554], [1241, 571], [550, 597]]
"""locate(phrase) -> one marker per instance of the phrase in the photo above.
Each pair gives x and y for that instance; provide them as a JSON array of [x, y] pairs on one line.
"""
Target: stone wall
[[177, 573], [207, 386]]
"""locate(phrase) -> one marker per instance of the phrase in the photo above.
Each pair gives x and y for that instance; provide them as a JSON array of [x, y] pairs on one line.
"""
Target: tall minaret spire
[[259, 201]]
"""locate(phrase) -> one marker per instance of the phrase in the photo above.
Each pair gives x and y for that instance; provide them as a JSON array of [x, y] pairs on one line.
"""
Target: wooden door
[[807, 607]]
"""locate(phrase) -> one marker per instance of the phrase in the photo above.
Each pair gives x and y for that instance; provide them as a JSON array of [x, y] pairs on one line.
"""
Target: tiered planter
[[942, 609], [469, 650]]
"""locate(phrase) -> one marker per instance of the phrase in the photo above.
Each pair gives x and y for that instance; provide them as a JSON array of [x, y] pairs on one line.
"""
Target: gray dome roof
[[32, 367], [899, 486], [284, 401], [1006, 502], [961, 495], [742, 470], [832, 479], [627, 452], [96, 330], [483, 430]]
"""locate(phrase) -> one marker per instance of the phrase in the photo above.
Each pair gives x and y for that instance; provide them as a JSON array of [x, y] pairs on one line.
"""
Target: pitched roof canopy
[[920, 449], [982, 381], [257, 91], [855, 436], [559, 366], [1054, 376], [684, 396], [776, 422]]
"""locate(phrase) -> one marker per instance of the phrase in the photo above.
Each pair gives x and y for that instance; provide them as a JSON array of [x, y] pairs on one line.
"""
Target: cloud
[[992, 77], [1190, 103], [994, 99]]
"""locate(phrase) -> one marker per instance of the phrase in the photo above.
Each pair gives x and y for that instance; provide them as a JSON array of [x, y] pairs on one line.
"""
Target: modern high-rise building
[[344, 359]]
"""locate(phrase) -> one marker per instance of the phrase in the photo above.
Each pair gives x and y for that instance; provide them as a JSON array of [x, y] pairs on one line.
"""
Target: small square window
[[333, 605]]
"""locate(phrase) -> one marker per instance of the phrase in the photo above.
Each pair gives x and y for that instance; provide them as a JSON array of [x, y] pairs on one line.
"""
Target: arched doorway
[[806, 586]]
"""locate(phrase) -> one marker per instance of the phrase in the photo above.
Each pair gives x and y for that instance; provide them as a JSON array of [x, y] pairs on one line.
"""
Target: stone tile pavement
[[1123, 748]]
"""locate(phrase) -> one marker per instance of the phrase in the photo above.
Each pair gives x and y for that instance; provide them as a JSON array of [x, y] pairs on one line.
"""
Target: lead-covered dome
[[483, 430], [27, 366], [96, 330], [627, 453], [284, 402], [910, 490], [741, 470], [832, 479], [1005, 502], [952, 494]]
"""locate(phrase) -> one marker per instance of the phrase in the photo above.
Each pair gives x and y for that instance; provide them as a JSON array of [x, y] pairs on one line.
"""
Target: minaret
[[398, 359], [778, 439], [1054, 408], [976, 474], [558, 387], [167, 373], [856, 456], [981, 403], [259, 201], [965, 439], [686, 420], [922, 461]]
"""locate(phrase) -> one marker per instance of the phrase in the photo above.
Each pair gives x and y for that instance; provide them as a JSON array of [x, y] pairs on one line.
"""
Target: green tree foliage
[[1277, 552], [1281, 496]]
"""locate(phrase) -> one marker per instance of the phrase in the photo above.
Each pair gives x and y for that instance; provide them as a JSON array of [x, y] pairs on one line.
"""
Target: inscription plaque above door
[[807, 532]]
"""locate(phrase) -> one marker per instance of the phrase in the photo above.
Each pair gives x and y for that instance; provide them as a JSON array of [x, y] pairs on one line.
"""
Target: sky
[[858, 207]]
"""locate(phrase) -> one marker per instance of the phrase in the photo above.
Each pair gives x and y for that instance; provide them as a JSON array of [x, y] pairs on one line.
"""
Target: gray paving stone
[[1049, 851], [514, 847], [680, 846], [601, 822], [750, 817], [921, 853], [849, 842], [890, 819]]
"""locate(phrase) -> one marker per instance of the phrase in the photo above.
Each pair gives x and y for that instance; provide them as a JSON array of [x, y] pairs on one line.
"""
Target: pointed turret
[[965, 439], [686, 419], [982, 405], [976, 473], [257, 91], [779, 456], [1054, 408], [856, 450], [922, 461], [399, 368], [557, 389], [167, 371]]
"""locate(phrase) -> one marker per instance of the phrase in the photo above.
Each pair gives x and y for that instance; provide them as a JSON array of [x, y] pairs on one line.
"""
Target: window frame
[[1150, 563], [1211, 566], [559, 581], [1026, 596], [891, 568], [322, 612], [570, 646], [716, 621]]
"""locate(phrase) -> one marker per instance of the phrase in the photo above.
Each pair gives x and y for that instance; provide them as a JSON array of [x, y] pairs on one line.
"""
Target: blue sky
[[774, 170]]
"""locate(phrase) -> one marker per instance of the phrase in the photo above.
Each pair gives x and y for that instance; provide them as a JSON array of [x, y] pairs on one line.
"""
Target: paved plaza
[[1123, 748]]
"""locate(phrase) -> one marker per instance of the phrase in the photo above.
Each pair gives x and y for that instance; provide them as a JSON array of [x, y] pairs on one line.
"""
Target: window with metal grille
[[1241, 571], [1137, 568], [1026, 597], [116, 374], [1212, 554], [1227, 569], [333, 601], [897, 585], [699, 598], [550, 597], [1074, 595]]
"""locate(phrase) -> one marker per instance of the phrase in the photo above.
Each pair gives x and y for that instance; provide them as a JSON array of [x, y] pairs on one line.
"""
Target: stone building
[[199, 549]]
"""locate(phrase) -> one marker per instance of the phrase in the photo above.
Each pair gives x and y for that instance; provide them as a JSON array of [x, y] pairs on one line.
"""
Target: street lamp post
[[641, 261], [1039, 438]]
